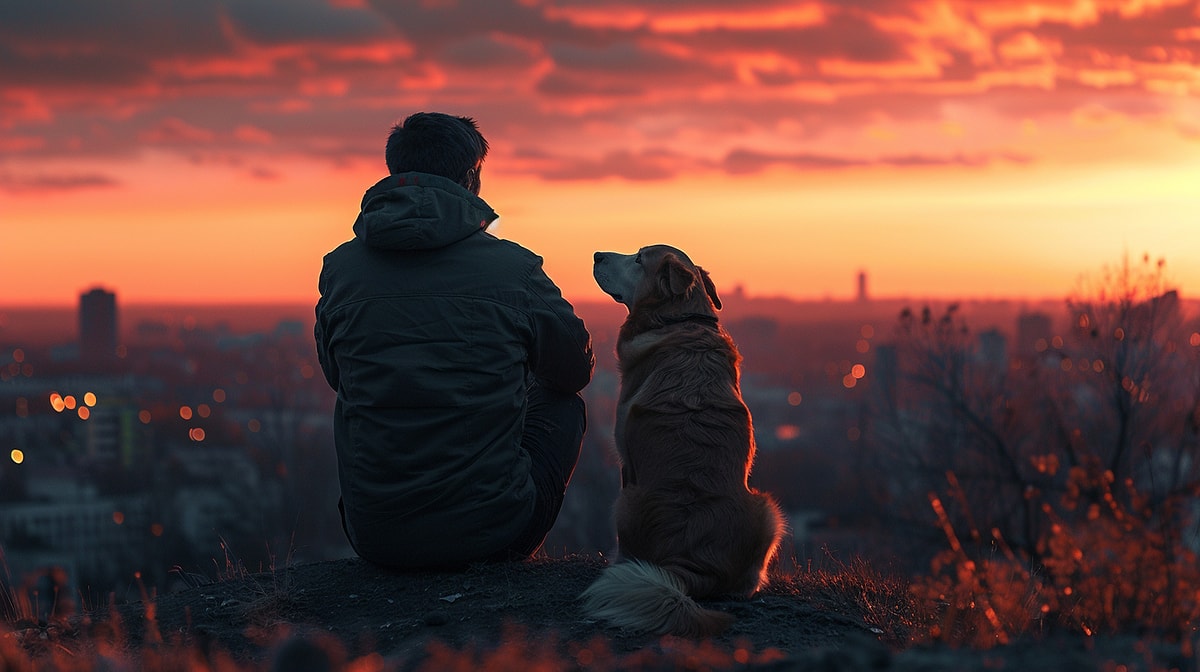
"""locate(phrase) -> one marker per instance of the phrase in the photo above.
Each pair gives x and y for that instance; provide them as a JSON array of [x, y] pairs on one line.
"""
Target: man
[[456, 361]]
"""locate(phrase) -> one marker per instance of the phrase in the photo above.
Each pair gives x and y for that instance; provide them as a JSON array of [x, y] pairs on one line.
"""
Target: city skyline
[[214, 152]]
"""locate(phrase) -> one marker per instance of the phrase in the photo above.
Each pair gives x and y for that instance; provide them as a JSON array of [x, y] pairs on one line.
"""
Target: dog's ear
[[674, 277], [709, 287]]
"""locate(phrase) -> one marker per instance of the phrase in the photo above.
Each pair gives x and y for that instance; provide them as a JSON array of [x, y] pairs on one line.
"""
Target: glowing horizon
[[948, 148]]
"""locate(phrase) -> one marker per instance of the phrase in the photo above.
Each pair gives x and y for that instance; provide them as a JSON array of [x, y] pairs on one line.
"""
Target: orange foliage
[[1117, 569]]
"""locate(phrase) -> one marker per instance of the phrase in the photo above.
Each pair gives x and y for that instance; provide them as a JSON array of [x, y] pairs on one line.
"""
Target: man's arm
[[328, 364], [562, 357]]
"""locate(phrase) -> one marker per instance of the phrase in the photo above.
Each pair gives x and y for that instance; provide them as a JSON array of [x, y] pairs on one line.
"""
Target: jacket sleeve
[[561, 356], [324, 356]]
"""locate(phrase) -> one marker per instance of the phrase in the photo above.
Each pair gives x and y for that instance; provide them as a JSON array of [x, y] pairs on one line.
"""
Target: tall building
[[862, 286], [97, 325]]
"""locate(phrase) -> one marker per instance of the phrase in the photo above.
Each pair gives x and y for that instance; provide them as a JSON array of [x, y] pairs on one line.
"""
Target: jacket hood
[[418, 211]]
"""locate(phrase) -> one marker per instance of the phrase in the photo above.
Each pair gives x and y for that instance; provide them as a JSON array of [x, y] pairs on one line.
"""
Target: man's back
[[428, 329]]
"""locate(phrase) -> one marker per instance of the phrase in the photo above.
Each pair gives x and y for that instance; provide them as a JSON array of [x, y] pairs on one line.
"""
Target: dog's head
[[659, 277]]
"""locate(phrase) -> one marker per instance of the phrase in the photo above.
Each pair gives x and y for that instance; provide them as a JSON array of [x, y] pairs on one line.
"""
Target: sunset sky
[[213, 151]]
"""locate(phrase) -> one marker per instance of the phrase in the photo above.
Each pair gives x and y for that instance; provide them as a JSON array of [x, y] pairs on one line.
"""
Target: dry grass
[[975, 605], [1110, 571]]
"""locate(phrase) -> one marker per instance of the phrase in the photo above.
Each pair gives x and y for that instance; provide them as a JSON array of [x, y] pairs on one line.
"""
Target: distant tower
[[862, 286], [97, 325]]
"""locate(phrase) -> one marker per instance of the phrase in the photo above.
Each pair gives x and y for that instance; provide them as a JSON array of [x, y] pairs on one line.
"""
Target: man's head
[[439, 144]]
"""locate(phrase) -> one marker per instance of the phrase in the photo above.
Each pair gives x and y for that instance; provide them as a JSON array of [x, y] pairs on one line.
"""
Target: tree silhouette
[[1064, 476]]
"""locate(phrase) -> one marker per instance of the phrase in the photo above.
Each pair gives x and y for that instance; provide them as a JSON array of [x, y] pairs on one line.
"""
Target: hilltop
[[321, 615]]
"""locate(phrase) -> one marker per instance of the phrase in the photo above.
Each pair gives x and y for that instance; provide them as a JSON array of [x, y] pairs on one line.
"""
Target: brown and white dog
[[688, 525]]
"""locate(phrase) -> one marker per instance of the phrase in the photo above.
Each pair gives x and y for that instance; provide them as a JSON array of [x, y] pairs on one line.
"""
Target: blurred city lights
[[858, 371], [185, 412], [144, 416], [203, 410], [219, 395], [57, 403], [69, 402], [89, 399], [118, 517], [794, 398], [17, 456], [84, 412], [787, 432]]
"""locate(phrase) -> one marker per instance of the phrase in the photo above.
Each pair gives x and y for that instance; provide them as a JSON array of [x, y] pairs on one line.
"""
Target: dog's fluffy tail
[[646, 598]]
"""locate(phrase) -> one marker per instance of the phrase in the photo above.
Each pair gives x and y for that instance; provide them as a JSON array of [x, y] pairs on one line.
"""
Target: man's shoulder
[[348, 248], [503, 250]]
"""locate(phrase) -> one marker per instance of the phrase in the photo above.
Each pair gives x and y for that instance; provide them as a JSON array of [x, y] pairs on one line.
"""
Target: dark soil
[[504, 616]]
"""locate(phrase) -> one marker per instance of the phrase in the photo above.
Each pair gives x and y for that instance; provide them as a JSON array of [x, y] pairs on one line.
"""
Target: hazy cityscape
[[173, 445]]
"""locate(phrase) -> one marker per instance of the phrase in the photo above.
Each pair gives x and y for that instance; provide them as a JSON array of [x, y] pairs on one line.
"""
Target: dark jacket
[[427, 328]]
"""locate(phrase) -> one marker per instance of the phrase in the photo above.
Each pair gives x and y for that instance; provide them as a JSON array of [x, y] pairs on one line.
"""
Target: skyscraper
[[862, 286], [97, 325]]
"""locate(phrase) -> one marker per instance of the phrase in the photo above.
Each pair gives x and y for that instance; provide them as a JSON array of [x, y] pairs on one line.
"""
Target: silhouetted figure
[[456, 361]]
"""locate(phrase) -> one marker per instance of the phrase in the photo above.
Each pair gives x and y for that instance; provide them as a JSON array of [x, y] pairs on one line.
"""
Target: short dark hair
[[439, 144]]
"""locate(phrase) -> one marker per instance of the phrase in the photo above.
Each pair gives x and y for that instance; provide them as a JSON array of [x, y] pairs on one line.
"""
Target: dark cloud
[[326, 79], [14, 183], [272, 22], [624, 69], [433, 25], [848, 35], [489, 52], [1127, 36], [677, 5], [94, 44], [743, 161], [626, 165]]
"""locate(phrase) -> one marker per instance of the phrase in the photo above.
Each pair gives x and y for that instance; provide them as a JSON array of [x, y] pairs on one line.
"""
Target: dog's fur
[[688, 525]]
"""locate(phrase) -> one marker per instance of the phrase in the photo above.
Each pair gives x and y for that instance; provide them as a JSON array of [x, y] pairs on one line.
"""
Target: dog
[[688, 525]]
